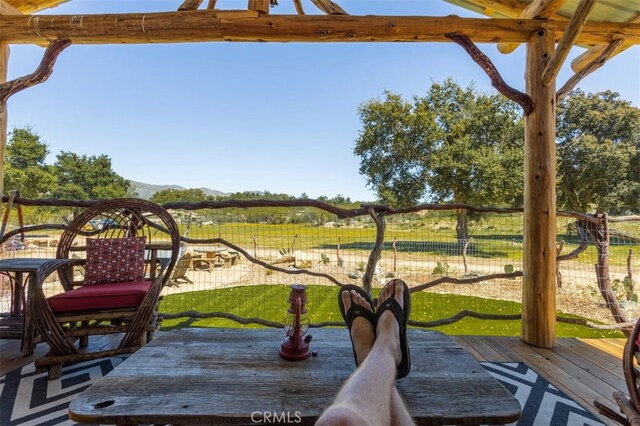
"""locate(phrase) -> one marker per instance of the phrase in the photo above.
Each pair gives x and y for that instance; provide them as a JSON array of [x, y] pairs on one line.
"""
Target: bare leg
[[369, 396], [399, 413]]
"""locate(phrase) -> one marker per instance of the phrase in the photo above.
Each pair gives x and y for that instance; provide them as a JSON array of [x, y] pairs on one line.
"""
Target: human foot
[[357, 310], [393, 310]]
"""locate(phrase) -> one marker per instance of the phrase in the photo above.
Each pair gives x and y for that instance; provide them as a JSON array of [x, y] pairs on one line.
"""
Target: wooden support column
[[4, 61], [539, 275]]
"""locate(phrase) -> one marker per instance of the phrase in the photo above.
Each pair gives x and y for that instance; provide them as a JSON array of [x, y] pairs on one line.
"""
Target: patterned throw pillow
[[114, 260]]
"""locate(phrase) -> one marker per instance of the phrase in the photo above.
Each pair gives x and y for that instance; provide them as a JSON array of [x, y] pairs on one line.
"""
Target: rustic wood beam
[[7, 9], [329, 7], [594, 65], [216, 25], [538, 9], [588, 56], [211, 4], [190, 5], [497, 81], [40, 75], [510, 8], [4, 59], [539, 259], [260, 6], [576, 24], [298, 5], [31, 6]]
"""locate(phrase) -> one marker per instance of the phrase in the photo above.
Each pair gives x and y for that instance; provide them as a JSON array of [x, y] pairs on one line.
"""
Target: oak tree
[[452, 145]]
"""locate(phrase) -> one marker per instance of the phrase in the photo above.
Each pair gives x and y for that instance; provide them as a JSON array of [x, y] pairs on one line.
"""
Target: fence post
[[375, 254], [601, 235]]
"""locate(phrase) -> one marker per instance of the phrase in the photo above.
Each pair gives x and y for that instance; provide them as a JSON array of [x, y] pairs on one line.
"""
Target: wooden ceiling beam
[[298, 5], [594, 65], [329, 7], [31, 7], [538, 9], [587, 57], [7, 9], [214, 25], [576, 24], [510, 8], [190, 4]]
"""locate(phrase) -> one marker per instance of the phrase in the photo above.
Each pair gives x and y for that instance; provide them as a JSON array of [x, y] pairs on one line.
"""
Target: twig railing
[[587, 226]]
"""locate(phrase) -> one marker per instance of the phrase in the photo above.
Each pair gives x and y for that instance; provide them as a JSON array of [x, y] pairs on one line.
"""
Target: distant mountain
[[146, 190]]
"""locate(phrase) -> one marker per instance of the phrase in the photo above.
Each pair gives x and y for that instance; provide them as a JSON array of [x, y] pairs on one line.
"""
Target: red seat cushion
[[98, 297]]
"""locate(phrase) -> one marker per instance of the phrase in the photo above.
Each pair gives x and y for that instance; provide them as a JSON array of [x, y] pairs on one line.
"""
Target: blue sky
[[249, 116]]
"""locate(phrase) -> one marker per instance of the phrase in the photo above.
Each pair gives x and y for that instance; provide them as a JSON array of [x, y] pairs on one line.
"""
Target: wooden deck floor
[[585, 369]]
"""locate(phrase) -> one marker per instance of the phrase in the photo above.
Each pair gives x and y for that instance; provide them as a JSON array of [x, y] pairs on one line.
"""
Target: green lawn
[[270, 303], [496, 237]]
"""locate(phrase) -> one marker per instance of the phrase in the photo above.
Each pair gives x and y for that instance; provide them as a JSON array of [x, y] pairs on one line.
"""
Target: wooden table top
[[28, 264], [226, 376]]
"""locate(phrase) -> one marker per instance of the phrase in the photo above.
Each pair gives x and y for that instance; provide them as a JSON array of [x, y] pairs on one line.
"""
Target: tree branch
[[497, 81], [40, 75]]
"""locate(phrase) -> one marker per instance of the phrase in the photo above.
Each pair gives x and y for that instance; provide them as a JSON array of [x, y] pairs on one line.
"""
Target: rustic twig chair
[[631, 357], [118, 242], [629, 406]]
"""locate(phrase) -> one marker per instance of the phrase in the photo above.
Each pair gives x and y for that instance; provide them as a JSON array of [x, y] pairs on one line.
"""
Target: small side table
[[19, 322]]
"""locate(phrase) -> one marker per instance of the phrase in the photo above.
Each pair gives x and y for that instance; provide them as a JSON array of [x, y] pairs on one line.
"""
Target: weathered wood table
[[19, 323], [235, 376]]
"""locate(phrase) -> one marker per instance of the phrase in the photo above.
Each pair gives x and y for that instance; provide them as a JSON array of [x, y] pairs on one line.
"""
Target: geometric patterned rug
[[542, 403], [28, 398]]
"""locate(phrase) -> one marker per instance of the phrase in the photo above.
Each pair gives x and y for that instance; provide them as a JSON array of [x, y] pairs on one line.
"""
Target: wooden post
[[4, 60], [539, 275]]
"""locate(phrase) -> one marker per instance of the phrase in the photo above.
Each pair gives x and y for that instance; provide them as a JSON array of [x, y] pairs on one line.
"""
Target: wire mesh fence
[[237, 262]]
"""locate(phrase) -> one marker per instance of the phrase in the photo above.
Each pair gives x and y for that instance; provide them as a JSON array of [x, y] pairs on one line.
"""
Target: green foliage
[[171, 195], [73, 176], [324, 259], [442, 265], [26, 170], [25, 149], [598, 153], [508, 268], [82, 177], [452, 145], [441, 268]]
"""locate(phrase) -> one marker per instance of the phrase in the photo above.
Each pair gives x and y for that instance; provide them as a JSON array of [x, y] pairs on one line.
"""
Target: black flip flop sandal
[[356, 311], [402, 316]]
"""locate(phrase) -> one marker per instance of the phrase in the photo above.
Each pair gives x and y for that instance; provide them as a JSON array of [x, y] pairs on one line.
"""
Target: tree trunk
[[462, 226]]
